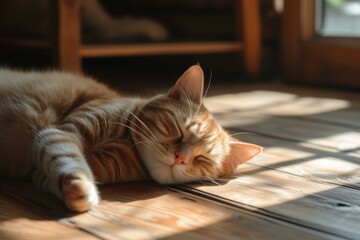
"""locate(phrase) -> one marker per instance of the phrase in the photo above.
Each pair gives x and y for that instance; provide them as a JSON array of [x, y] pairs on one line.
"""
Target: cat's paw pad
[[79, 193]]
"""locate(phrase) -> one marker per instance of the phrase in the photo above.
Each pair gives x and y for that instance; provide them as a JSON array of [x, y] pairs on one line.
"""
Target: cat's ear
[[189, 85], [242, 152]]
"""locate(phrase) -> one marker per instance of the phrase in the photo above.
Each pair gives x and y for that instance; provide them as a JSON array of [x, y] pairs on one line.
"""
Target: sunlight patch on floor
[[246, 101], [308, 106], [324, 168], [158, 217], [344, 141], [266, 188], [273, 103]]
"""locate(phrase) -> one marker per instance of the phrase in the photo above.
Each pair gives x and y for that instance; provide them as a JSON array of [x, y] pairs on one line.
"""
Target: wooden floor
[[306, 184]]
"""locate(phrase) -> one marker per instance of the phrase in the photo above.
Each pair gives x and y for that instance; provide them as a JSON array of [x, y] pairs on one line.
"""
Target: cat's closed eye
[[200, 159]]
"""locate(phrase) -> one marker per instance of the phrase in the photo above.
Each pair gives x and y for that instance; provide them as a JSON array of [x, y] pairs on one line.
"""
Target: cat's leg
[[63, 170]]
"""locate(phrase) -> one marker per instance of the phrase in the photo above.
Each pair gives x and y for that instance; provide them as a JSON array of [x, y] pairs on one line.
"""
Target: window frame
[[309, 57]]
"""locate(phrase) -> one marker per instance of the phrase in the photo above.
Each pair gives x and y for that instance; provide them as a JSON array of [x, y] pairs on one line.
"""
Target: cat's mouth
[[166, 173]]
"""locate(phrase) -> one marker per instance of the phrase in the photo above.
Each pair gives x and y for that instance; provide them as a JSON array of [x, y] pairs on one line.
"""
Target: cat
[[69, 132], [32, 19]]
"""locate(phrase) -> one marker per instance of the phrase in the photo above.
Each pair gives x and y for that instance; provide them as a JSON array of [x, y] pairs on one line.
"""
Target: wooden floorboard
[[292, 198], [139, 211], [306, 184], [22, 220], [307, 160]]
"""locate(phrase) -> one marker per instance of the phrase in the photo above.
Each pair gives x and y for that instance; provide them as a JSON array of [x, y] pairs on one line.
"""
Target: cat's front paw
[[79, 193]]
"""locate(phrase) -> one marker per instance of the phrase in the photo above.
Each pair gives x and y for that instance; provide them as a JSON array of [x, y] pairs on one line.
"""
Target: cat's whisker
[[144, 133], [178, 109], [232, 165], [133, 129], [137, 118], [146, 143], [208, 86], [203, 97], [136, 125], [243, 133], [200, 181], [222, 180], [141, 142], [107, 122], [208, 179], [188, 101]]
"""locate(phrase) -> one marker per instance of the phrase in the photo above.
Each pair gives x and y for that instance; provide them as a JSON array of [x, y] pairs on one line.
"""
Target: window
[[321, 42], [338, 18]]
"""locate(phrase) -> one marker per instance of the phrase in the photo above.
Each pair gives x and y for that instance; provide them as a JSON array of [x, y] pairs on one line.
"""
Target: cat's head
[[180, 141]]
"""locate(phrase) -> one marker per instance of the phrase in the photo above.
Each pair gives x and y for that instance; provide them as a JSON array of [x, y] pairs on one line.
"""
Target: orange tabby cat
[[69, 132]]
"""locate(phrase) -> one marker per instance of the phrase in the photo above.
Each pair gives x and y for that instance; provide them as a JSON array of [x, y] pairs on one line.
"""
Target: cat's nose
[[180, 158]]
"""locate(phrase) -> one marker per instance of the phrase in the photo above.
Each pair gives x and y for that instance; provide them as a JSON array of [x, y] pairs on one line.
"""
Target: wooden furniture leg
[[66, 37], [249, 10]]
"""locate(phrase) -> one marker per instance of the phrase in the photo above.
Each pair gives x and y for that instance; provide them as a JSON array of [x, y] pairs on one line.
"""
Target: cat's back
[[46, 83], [47, 95], [23, 83], [32, 100], [50, 89]]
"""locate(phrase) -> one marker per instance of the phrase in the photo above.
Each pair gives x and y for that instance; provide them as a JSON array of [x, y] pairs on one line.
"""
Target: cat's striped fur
[[69, 132]]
